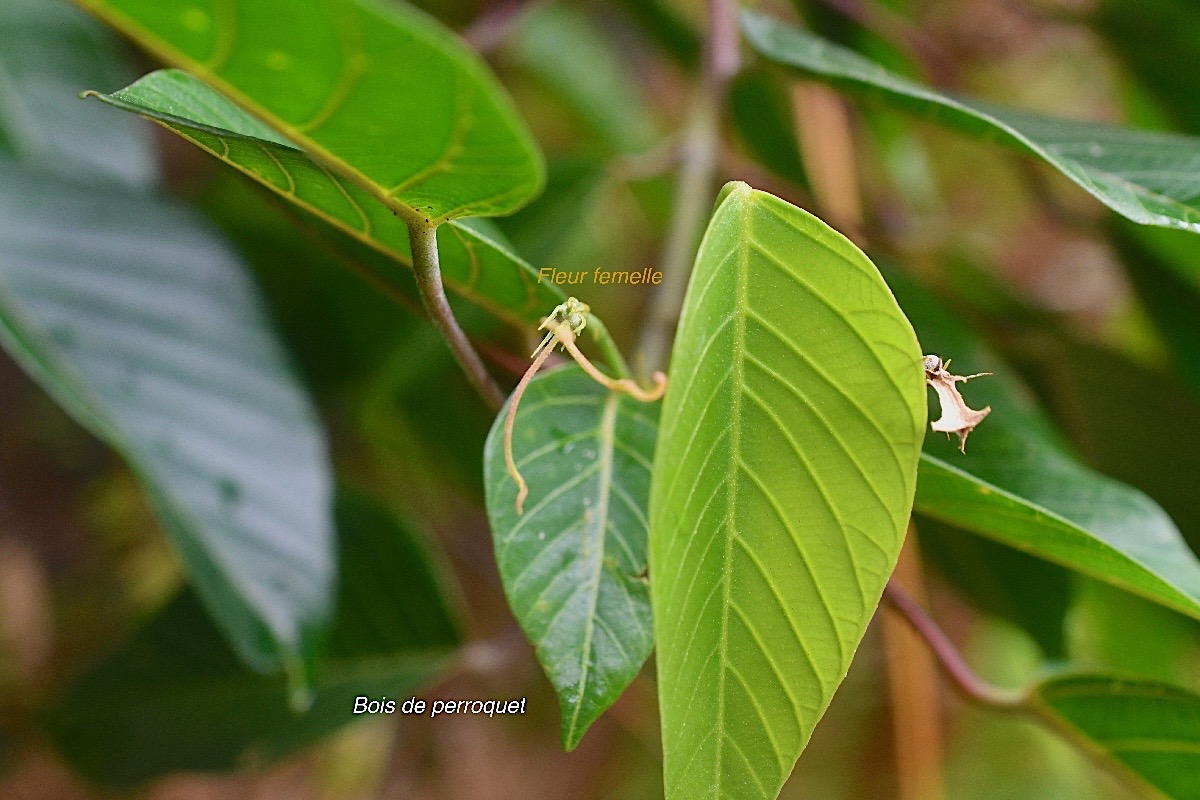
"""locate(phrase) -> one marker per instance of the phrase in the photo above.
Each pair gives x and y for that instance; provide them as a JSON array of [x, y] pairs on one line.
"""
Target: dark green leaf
[[1019, 484], [377, 92], [574, 563], [50, 53], [473, 263], [1150, 178], [175, 698], [1152, 730], [142, 323], [783, 482]]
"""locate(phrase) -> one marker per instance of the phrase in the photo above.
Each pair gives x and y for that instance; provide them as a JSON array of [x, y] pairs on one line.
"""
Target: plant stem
[[603, 339], [951, 661], [699, 150], [429, 281]]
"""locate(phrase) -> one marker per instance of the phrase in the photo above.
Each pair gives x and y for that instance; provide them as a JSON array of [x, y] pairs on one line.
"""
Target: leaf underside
[[573, 565], [783, 481], [146, 328], [474, 265], [376, 91], [1150, 178]]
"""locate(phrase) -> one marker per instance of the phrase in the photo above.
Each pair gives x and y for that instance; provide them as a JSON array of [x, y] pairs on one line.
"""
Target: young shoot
[[563, 327]]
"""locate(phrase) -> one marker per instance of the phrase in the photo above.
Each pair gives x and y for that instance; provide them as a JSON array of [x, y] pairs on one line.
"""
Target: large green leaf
[[473, 263], [145, 327], [378, 92], [1151, 730], [783, 482], [50, 52], [1019, 484], [1151, 178], [175, 698], [574, 563]]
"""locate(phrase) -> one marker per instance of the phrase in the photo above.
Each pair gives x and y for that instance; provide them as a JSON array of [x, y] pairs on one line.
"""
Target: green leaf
[[52, 51], [473, 263], [1150, 178], [783, 482], [1019, 485], [142, 323], [175, 698], [1151, 730], [377, 92], [570, 55], [574, 563], [762, 116]]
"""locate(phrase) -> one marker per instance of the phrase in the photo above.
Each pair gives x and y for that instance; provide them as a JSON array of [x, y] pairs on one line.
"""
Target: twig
[[429, 281], [699, 150], [951, 661]]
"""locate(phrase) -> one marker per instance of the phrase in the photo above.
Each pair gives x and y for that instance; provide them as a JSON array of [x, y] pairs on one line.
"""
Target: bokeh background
[[1098, 317]]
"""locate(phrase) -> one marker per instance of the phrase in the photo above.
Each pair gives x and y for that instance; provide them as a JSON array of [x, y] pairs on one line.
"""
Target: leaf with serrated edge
[[378, 92], [783, 482], [573, 564], [144, 325], [473, 264], [1150, 178], [1150, 730]]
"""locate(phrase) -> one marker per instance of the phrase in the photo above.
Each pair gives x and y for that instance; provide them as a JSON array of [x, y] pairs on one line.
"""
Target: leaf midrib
[[735, 430], [606, 438]]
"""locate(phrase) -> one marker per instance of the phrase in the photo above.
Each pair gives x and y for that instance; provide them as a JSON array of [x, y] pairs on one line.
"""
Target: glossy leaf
[[1150, 178], [175, 698], [544, 228], [1019, 484], [377, 92], [143, 324], [50, 53], [474, 264], [1152, 730], [783, 482], [574, 563]]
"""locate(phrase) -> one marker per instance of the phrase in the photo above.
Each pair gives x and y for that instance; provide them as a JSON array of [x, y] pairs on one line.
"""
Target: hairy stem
[[433, 294], [949, 659], [699, 152]]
